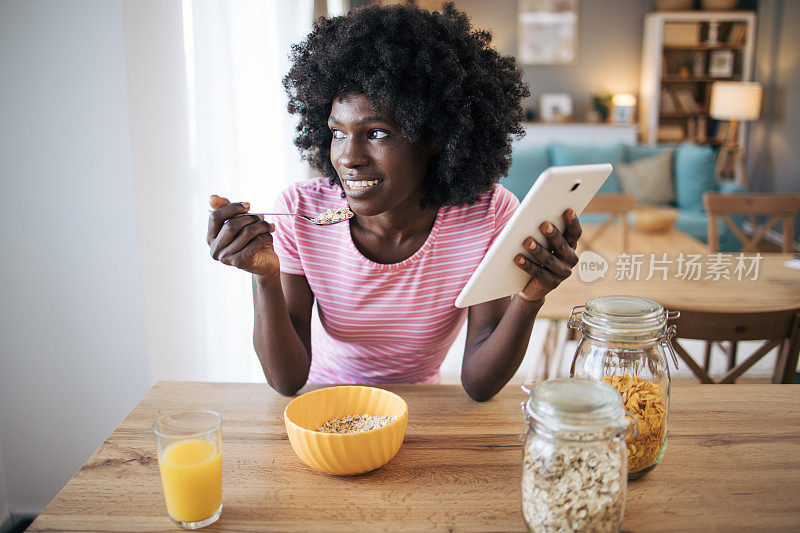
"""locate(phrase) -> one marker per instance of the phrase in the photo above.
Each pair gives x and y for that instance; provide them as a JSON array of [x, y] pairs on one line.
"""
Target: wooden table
[[608, 241], [776, 287], [732, 463]]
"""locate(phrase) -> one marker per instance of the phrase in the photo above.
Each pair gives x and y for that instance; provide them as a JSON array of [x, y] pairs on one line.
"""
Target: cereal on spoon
[[332, 216]]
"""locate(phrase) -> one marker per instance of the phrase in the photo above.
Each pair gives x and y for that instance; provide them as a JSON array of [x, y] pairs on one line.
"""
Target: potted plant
[[602, 103]]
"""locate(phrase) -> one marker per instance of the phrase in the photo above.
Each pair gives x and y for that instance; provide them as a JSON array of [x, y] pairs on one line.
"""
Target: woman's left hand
[[549, 269]]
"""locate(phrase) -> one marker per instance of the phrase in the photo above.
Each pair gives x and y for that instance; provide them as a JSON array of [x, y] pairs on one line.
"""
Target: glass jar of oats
[[574, 459], [624, 343]]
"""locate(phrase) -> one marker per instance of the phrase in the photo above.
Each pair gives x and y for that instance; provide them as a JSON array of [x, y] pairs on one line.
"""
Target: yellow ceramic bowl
[[345, 453]]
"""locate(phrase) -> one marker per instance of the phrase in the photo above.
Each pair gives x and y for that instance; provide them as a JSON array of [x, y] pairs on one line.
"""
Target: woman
[[410, 114]]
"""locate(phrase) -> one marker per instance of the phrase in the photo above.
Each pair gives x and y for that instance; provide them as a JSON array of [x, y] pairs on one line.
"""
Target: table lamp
[[734, 101]]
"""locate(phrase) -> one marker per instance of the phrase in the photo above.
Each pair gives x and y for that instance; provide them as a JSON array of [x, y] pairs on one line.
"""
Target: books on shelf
[[702, 129], [675, 101], [738, 33], [668, 105], [670, 133], [721, 130], [684, 100], [699, 64], [683, 55], [691, 129]]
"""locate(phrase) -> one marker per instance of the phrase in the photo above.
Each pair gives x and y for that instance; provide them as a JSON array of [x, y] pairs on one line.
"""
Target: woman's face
[[380, 170]]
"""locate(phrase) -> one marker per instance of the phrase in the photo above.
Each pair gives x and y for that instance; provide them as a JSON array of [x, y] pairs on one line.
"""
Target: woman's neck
[[394, 236], [398, 225]]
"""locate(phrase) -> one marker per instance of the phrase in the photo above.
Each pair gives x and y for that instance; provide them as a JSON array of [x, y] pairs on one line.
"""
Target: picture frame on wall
[[720, 64], [622, 114], [547, 32], [555, 107]]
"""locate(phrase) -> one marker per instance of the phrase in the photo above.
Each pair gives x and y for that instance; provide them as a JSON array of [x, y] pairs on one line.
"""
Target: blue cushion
[[694, 175], [580, 154], [731, 187], [526, 165], [728, 242], [593, 218], [696, 225]]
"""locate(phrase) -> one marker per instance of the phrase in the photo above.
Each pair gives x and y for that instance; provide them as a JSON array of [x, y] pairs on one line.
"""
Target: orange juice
[[191, 472]]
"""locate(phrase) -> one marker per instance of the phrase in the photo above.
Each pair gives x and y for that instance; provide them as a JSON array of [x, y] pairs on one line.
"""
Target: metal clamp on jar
[[624, 343], [574, 460]]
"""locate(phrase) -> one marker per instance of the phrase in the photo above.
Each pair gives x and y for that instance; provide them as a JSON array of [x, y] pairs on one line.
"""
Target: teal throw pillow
[[582, 154], [527, 162], [731, 187], [694, 175]]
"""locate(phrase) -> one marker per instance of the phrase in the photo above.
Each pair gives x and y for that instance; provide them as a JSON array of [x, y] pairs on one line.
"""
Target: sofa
[[692, 170]]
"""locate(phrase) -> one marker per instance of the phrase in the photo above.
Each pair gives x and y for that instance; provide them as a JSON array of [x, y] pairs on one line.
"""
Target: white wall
[[609, 48], [773, 151], [72, 348]]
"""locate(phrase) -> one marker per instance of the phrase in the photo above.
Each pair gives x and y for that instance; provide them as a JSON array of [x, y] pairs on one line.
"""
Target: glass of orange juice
[[190, 460]]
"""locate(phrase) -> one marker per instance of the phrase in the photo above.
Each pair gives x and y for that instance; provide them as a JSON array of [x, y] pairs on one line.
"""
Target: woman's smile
[[361, 187]]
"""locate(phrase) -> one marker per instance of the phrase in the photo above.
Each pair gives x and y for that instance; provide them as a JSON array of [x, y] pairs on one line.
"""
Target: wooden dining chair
[[779, 329], [617, 206], [720, 206], [777, 206]]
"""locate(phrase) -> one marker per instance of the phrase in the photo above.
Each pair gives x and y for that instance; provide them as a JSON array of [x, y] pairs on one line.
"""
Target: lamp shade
[[735, 100], [626, 100]]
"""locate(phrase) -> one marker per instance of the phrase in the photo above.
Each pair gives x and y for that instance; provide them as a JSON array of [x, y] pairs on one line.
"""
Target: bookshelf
[[683, 54]]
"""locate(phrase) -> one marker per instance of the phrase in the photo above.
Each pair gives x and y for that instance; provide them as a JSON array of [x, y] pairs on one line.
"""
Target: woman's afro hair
[[438, 76]]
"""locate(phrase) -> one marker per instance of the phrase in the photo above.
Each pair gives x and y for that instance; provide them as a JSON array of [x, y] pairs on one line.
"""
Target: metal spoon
[[326, 218], [314, 220]]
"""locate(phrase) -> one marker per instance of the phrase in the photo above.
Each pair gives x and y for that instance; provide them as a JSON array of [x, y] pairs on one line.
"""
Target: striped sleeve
[[284, 238], [505, 203]]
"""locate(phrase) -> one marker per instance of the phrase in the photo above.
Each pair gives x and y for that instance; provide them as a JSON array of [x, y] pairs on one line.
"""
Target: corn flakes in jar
[[624, 342]]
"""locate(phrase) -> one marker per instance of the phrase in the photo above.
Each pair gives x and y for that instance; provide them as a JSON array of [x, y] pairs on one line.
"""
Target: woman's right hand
[[241, 240]]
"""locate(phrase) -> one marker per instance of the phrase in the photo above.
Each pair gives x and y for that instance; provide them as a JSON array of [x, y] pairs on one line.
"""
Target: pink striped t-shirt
[[384, 323]]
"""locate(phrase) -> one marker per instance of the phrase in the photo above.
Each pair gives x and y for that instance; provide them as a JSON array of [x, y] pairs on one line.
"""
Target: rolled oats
[[645, 400], [355, 423], [577, 486]]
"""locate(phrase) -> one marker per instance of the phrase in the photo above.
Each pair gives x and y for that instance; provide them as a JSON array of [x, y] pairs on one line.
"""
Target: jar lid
[[624, 318], [581, 405]]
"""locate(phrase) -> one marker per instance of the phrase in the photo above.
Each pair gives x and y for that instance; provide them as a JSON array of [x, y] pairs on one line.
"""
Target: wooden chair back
[[776, 328], [779, 206], [617, 206]]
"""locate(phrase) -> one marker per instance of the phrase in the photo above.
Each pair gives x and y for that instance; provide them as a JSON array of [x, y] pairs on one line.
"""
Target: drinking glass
[[190, 461]]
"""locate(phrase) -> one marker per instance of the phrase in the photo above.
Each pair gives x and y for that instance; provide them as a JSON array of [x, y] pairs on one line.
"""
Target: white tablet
[[556, 190]]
